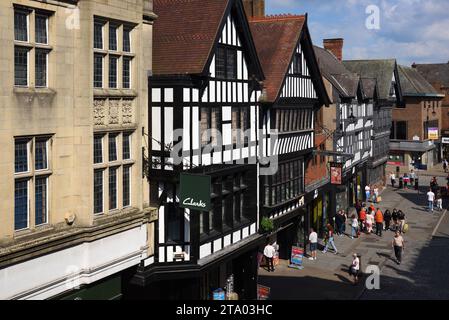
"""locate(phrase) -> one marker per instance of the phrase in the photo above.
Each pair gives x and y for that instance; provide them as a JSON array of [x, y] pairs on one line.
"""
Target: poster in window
[[433, 134], [336, 173]]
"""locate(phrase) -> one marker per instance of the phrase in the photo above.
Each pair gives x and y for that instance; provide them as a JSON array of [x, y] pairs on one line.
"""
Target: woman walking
[[339, 222], [401, 219], [354, 226], [398, 245], [330, 239], [369, 222]]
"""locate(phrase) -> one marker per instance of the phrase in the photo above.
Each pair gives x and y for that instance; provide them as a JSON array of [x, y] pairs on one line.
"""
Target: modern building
[[438, 76], [415, 131], [389, 95], [205, 91], [353, 98], [293, 94], [74, 206]]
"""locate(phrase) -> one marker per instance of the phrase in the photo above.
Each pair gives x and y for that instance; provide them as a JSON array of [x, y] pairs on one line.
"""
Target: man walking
[[393, 179], [367, 192], [398, 245], [313, 241], [430, 200], [379, 218], [269, 253]]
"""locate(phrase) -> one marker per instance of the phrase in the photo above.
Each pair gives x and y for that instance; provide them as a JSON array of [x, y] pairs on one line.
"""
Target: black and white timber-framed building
[[389, 95], [353, 97], [206, 81], [293, 92]]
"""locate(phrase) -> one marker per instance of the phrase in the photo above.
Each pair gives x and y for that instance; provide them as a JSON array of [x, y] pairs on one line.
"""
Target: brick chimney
[[335, 46], [254, 8]]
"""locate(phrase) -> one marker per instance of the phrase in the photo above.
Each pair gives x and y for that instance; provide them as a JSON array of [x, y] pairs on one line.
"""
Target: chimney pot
[[335, 46]]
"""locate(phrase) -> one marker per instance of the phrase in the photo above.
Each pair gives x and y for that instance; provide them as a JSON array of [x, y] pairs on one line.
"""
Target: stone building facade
[[73, 136]]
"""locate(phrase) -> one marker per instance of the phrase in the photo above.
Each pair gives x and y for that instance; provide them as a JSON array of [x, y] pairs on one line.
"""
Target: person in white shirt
[[439, 202], [269, 253], [313, 241], [430, 199], [367, 192], [393, 179], [355, 268]]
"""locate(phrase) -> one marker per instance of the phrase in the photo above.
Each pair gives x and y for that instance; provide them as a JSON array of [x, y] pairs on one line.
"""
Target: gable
[[298, 82], [231, 39]]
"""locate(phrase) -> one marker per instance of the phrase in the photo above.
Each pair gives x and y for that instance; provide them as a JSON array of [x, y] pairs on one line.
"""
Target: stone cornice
[[33, 246]]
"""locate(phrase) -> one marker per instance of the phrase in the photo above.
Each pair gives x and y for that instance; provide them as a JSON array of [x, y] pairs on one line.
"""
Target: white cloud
[[411, 30]]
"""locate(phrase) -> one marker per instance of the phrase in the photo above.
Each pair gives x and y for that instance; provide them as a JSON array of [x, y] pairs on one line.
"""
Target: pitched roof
[[414, 84], [381, 70], [184, 34], [276, 38], [435, 73], [333, 70]]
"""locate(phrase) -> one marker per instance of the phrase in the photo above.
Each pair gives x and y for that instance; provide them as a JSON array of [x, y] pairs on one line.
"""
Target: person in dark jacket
[[401, 218], [338, 222], [387, 219]]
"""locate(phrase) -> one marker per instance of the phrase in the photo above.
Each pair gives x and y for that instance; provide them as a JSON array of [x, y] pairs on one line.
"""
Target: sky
[[408, 30]]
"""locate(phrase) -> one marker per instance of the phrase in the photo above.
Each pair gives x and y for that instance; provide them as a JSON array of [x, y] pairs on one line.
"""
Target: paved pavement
[[422, 275]]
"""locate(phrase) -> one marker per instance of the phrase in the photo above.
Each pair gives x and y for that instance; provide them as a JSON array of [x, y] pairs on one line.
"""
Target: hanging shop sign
[[434, 134], [336, 169], [445, 140], [296, 258], [195, 192]]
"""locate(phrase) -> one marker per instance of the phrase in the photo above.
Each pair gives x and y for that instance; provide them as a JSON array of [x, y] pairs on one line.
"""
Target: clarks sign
[[195, 192]]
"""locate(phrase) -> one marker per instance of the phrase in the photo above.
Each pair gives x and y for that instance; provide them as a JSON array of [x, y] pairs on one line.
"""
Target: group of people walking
[[372, 193], [408, 179]]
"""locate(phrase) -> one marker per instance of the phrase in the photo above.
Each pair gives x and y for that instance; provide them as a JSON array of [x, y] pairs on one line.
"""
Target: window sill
[[119, 93], [24, 233], [34, 91]]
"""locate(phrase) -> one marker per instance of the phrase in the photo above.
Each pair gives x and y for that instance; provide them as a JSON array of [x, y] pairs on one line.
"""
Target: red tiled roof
[[275, 38], [184, 34]]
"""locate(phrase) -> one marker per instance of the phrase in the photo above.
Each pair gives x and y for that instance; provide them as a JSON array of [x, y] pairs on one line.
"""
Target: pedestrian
[[376, 194], [430, 200], [358, 206], [439, 202], [387, 219], [401, 221], [394, 216], [355, 268], [269, 253], [368, 192], [392, 179], [434, 185], [362, 218], [343, 225], [338, 222], [406, 180], [354, 226], [398, 245], [445, 165], [412, 178], [379, 218], [330, 239], [313, 241], [369, 222]]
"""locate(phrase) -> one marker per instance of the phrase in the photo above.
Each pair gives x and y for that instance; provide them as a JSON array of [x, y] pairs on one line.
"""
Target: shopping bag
[[379, 199], [405, 228]]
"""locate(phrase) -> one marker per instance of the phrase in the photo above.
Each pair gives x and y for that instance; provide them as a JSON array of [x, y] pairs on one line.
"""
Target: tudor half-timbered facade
[[293, 92], [353, 98], [204, 118]]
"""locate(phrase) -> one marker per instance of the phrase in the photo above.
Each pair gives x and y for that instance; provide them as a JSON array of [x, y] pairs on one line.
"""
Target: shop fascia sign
[[195, 192]]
